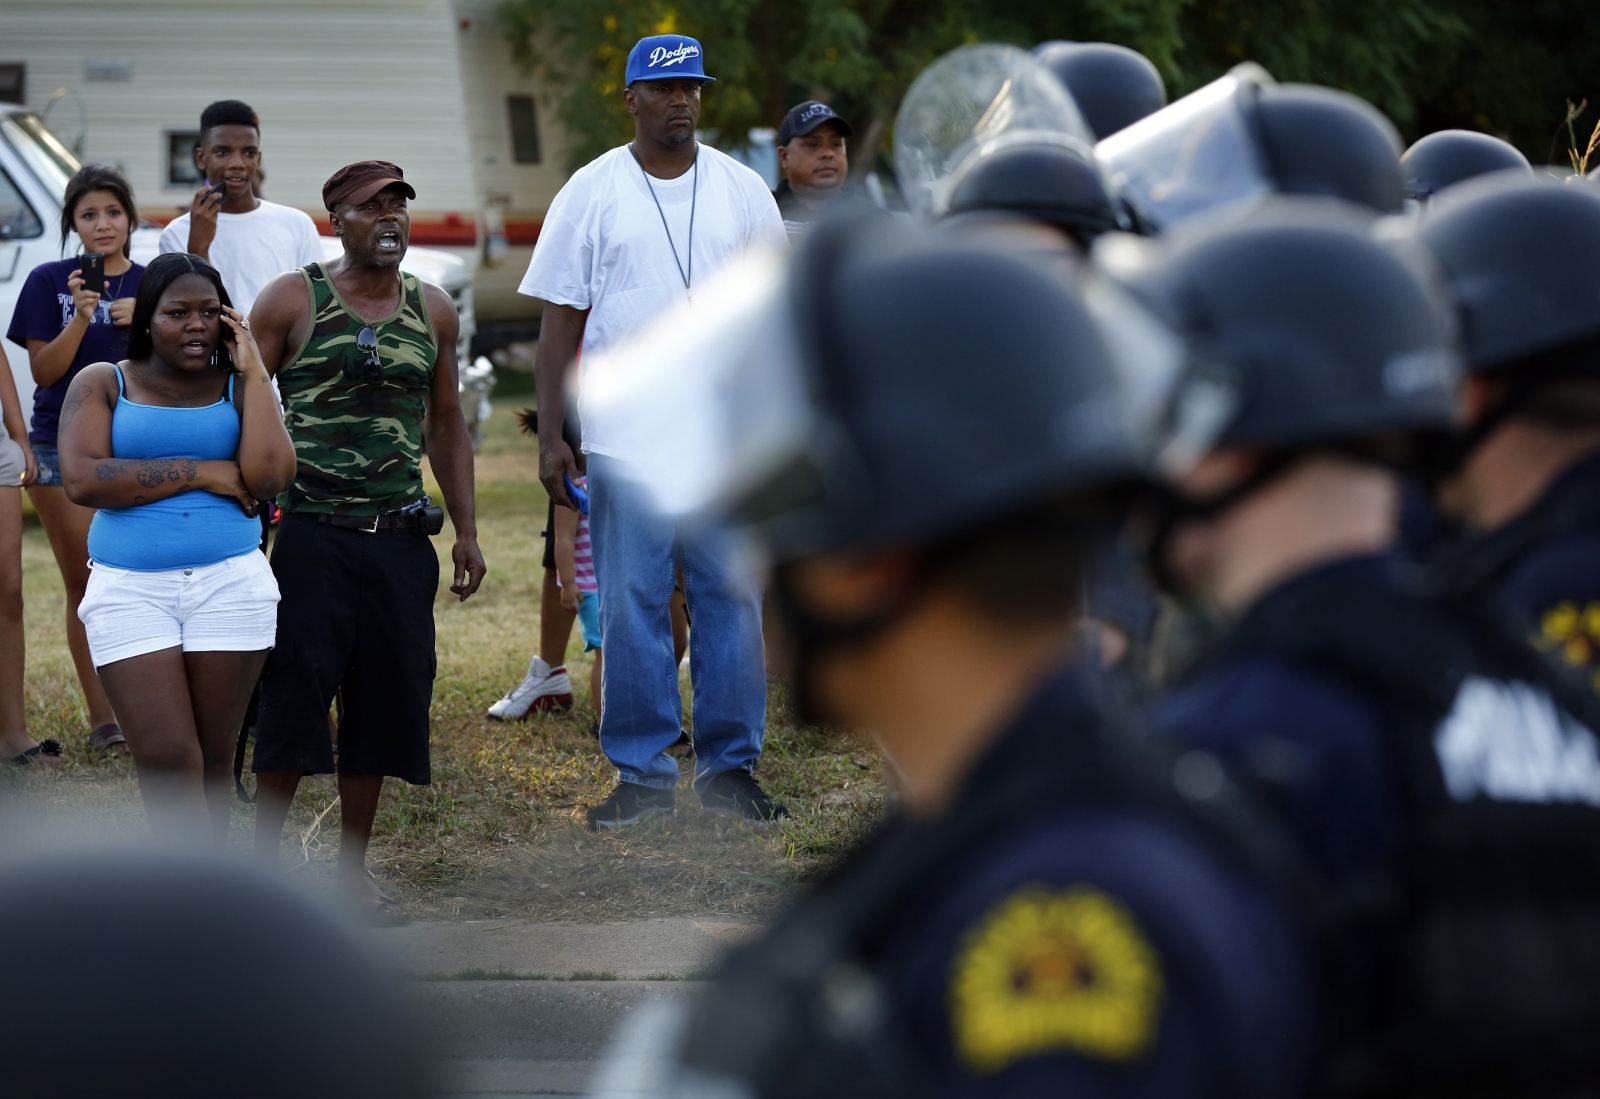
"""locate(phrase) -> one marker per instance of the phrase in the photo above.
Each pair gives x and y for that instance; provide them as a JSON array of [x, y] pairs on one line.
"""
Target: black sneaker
[[737, 793], [629, 804]]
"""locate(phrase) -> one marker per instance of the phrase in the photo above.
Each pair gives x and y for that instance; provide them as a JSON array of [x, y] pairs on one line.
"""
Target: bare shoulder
[[441, 309], [284, 298], [94, 380]]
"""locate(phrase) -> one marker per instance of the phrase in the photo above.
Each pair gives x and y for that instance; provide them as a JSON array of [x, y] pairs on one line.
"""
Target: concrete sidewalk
[[521, 1008]]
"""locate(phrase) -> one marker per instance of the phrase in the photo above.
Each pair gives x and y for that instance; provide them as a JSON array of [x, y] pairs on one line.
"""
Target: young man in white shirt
[[245, 237], [630, 235]]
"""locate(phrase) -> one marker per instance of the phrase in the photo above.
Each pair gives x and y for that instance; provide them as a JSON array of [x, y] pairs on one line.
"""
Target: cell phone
[[92, 266], [218, 189], [579, 497]]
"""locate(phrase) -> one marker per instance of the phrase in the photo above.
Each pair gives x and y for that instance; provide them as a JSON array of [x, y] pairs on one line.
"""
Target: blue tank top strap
[[227, 392], [121, 392]]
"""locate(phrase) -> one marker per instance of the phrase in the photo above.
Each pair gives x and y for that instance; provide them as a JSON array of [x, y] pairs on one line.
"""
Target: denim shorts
[[49, 464]]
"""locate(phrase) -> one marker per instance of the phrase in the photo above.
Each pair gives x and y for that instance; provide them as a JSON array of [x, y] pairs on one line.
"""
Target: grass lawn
[[498, 833]]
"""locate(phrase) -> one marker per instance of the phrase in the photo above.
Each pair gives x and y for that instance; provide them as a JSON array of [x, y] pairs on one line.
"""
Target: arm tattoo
[[75, 398], [149, 473]]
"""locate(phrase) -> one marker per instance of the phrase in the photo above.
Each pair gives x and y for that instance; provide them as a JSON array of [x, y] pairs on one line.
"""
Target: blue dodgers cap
[[666, 57]]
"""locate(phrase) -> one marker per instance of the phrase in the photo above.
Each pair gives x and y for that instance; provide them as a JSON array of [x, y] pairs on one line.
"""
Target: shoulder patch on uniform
[[1049, 971], [1572, 633]]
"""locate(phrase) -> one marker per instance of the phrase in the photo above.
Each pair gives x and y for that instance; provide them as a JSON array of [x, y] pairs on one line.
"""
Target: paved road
[[533, 1037], [521, 1008]]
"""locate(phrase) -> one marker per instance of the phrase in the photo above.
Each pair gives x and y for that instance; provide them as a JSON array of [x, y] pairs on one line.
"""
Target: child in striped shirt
[[575, 576]]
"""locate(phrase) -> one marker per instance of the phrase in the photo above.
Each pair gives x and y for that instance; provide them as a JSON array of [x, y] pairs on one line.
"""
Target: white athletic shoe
[[543, 688]]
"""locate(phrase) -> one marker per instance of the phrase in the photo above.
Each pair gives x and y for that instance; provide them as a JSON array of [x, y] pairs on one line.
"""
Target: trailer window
[[524, 129], [17, 219]]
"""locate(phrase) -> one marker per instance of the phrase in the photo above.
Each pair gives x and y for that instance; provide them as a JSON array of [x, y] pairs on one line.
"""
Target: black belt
[[389, 522]]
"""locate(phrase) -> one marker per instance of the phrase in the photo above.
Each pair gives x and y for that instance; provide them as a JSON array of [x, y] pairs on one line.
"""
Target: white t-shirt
[[250, 250], [603, 247]]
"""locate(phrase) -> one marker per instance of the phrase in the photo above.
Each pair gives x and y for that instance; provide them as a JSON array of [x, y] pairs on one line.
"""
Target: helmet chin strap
[[813, 636], [1173, 509], [1446, 456]]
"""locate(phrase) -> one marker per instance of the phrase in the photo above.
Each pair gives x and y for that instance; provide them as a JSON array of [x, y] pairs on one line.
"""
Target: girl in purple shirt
[[65, 327]]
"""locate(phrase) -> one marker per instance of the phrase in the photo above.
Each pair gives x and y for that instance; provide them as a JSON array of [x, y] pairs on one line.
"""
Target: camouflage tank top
[[356, 424]]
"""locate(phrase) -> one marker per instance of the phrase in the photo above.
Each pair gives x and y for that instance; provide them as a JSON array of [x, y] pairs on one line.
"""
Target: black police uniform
[[1061, 929], [1439, 784], [1321, 742], [1543, 570]]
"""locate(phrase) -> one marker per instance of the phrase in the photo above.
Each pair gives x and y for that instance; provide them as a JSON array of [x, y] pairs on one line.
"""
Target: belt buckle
[[373, 529]]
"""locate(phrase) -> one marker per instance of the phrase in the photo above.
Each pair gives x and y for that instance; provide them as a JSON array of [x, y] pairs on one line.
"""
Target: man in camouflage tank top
[[364, 355]]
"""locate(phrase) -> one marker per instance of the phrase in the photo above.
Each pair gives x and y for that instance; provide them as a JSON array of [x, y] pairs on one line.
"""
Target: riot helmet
[[969, 98], [1037, 177], [1244, 138], [1112, 85], [1314, 337], [901, 391], [1521, 257], [211, 972], [1448, 157], [1322, 332], [896, 386]]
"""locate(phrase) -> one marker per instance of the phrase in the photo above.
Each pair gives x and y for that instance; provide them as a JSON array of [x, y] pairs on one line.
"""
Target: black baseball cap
[[807, 116]]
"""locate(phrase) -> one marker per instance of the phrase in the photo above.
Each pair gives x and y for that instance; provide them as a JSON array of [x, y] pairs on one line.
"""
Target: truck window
[[17, 219]]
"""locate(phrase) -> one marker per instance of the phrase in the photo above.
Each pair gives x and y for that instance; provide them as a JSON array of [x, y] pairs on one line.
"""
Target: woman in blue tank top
[[174, 447]]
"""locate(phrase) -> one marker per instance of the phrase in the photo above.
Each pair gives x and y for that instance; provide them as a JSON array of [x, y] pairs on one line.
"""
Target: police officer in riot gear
[[1113, 86], [1243, 139], [1448, 157], [1522, 258], [1043, 915], [1429, 766]]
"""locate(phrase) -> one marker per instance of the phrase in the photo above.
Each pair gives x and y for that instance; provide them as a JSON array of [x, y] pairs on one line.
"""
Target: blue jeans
[[636, 554]]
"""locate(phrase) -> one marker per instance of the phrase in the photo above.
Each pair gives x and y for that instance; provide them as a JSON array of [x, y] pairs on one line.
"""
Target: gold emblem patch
[[1053, 970], [1573, 633]]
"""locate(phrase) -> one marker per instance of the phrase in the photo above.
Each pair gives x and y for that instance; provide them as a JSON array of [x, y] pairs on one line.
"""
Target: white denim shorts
[[231, 606]]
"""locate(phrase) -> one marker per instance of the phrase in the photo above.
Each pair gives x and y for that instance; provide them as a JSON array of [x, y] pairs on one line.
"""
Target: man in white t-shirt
[[245, 237], [632, 233]]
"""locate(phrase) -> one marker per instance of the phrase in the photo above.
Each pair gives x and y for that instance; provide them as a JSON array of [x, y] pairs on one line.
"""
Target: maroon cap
[[360, 181]]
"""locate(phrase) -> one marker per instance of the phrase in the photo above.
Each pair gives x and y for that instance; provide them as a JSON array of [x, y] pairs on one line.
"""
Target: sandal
[[375, 908], [41, 750], [106, 737]]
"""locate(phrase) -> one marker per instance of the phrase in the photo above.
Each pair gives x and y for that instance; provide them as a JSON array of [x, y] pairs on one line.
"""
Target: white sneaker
[[543, 688]]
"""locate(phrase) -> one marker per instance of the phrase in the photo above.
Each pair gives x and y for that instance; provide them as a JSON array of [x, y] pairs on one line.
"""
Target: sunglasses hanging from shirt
[[366, 357], [694, 198]]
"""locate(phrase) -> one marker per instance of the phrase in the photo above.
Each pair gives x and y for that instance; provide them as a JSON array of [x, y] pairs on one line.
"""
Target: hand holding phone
[[92, 268], [203, 218]]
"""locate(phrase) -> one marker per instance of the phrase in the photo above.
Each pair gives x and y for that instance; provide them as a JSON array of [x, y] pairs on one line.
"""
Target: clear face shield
[[969, 98], [1199, 154], [710, 395]]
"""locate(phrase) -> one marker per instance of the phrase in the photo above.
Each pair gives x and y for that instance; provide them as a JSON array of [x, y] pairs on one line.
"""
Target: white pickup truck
[[34, 169]]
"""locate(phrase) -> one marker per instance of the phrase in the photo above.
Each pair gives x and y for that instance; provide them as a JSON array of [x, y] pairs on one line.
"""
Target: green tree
[[860, 55], [1490, 65]]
